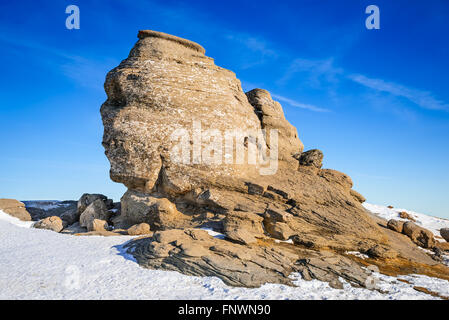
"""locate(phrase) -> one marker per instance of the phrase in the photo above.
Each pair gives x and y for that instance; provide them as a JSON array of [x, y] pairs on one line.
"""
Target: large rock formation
[[195, 151]]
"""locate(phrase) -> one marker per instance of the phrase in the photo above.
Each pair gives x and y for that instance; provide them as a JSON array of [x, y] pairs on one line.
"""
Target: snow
[[433, 224], [358, 254], [41, 264], [213, 233]]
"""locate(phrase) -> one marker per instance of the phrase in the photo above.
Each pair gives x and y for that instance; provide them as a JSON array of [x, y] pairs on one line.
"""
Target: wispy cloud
[[297, 104], [84, 71], [253, 43], [424, 99], [317, 71]]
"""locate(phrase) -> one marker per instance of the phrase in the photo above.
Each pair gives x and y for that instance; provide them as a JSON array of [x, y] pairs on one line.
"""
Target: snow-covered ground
[[41, 264], [433, 224]]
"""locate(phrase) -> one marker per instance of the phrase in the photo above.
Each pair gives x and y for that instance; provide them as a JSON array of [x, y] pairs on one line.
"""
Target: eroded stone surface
[[15, 208], [168, 86], [50, 223]]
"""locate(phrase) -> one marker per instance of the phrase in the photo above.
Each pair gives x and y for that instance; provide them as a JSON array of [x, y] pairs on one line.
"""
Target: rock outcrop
[[195, 151], [50, 223], [15, 208], [444, 232]]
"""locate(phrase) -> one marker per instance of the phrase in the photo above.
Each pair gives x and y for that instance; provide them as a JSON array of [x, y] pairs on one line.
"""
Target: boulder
[[357, 196], [87, 198], [382, 252], [312, 157], [15, 208], [97, 225], [74, 229], [159, 213], [96, 210], [405, 215], [276, 224], [422, 237], [243, 227], [395, 225], [50, 223], [444, 232], [70, 216], [139, 229]]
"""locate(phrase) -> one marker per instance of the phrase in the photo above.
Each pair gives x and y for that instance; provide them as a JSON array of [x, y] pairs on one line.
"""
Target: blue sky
[[375, 101]]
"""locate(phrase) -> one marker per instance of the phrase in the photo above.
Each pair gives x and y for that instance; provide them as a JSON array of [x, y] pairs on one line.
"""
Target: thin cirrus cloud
[[423, 99], [299, 104], [324, 73]]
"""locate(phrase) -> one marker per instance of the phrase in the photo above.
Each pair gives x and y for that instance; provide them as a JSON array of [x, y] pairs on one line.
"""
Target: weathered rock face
[[271, 117], [97, 225], [195, 252], [139, 229], [312, 157], [95, 210], [419, 235], [15, 208], [159, 213], [444, 232], [168, 115], [168, 84], [50, 223], [395, 225]]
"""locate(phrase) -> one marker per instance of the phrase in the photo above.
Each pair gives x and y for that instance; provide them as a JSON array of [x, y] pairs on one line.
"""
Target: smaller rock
[[276, 224], [15, 208], [243, 227], [357, 196], [70, 216], [444, 232], [382, 252], [97, 225], [390, 207], [255, 188], [95, 210], [422, 237], [53, 223], [444, 246], [139, 229], [395, 225], [405, 215], [312, 157], [87, 198], [74, 229]]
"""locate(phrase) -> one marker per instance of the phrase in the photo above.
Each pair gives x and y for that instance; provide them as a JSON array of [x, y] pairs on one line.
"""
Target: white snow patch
[[213, 233], [15, 221], [284, 241], [433, 224], [358, 254], [41, 264]]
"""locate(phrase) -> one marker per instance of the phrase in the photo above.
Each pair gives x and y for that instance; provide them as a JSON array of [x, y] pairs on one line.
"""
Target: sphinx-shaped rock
[[168, 96], [188, 143]]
